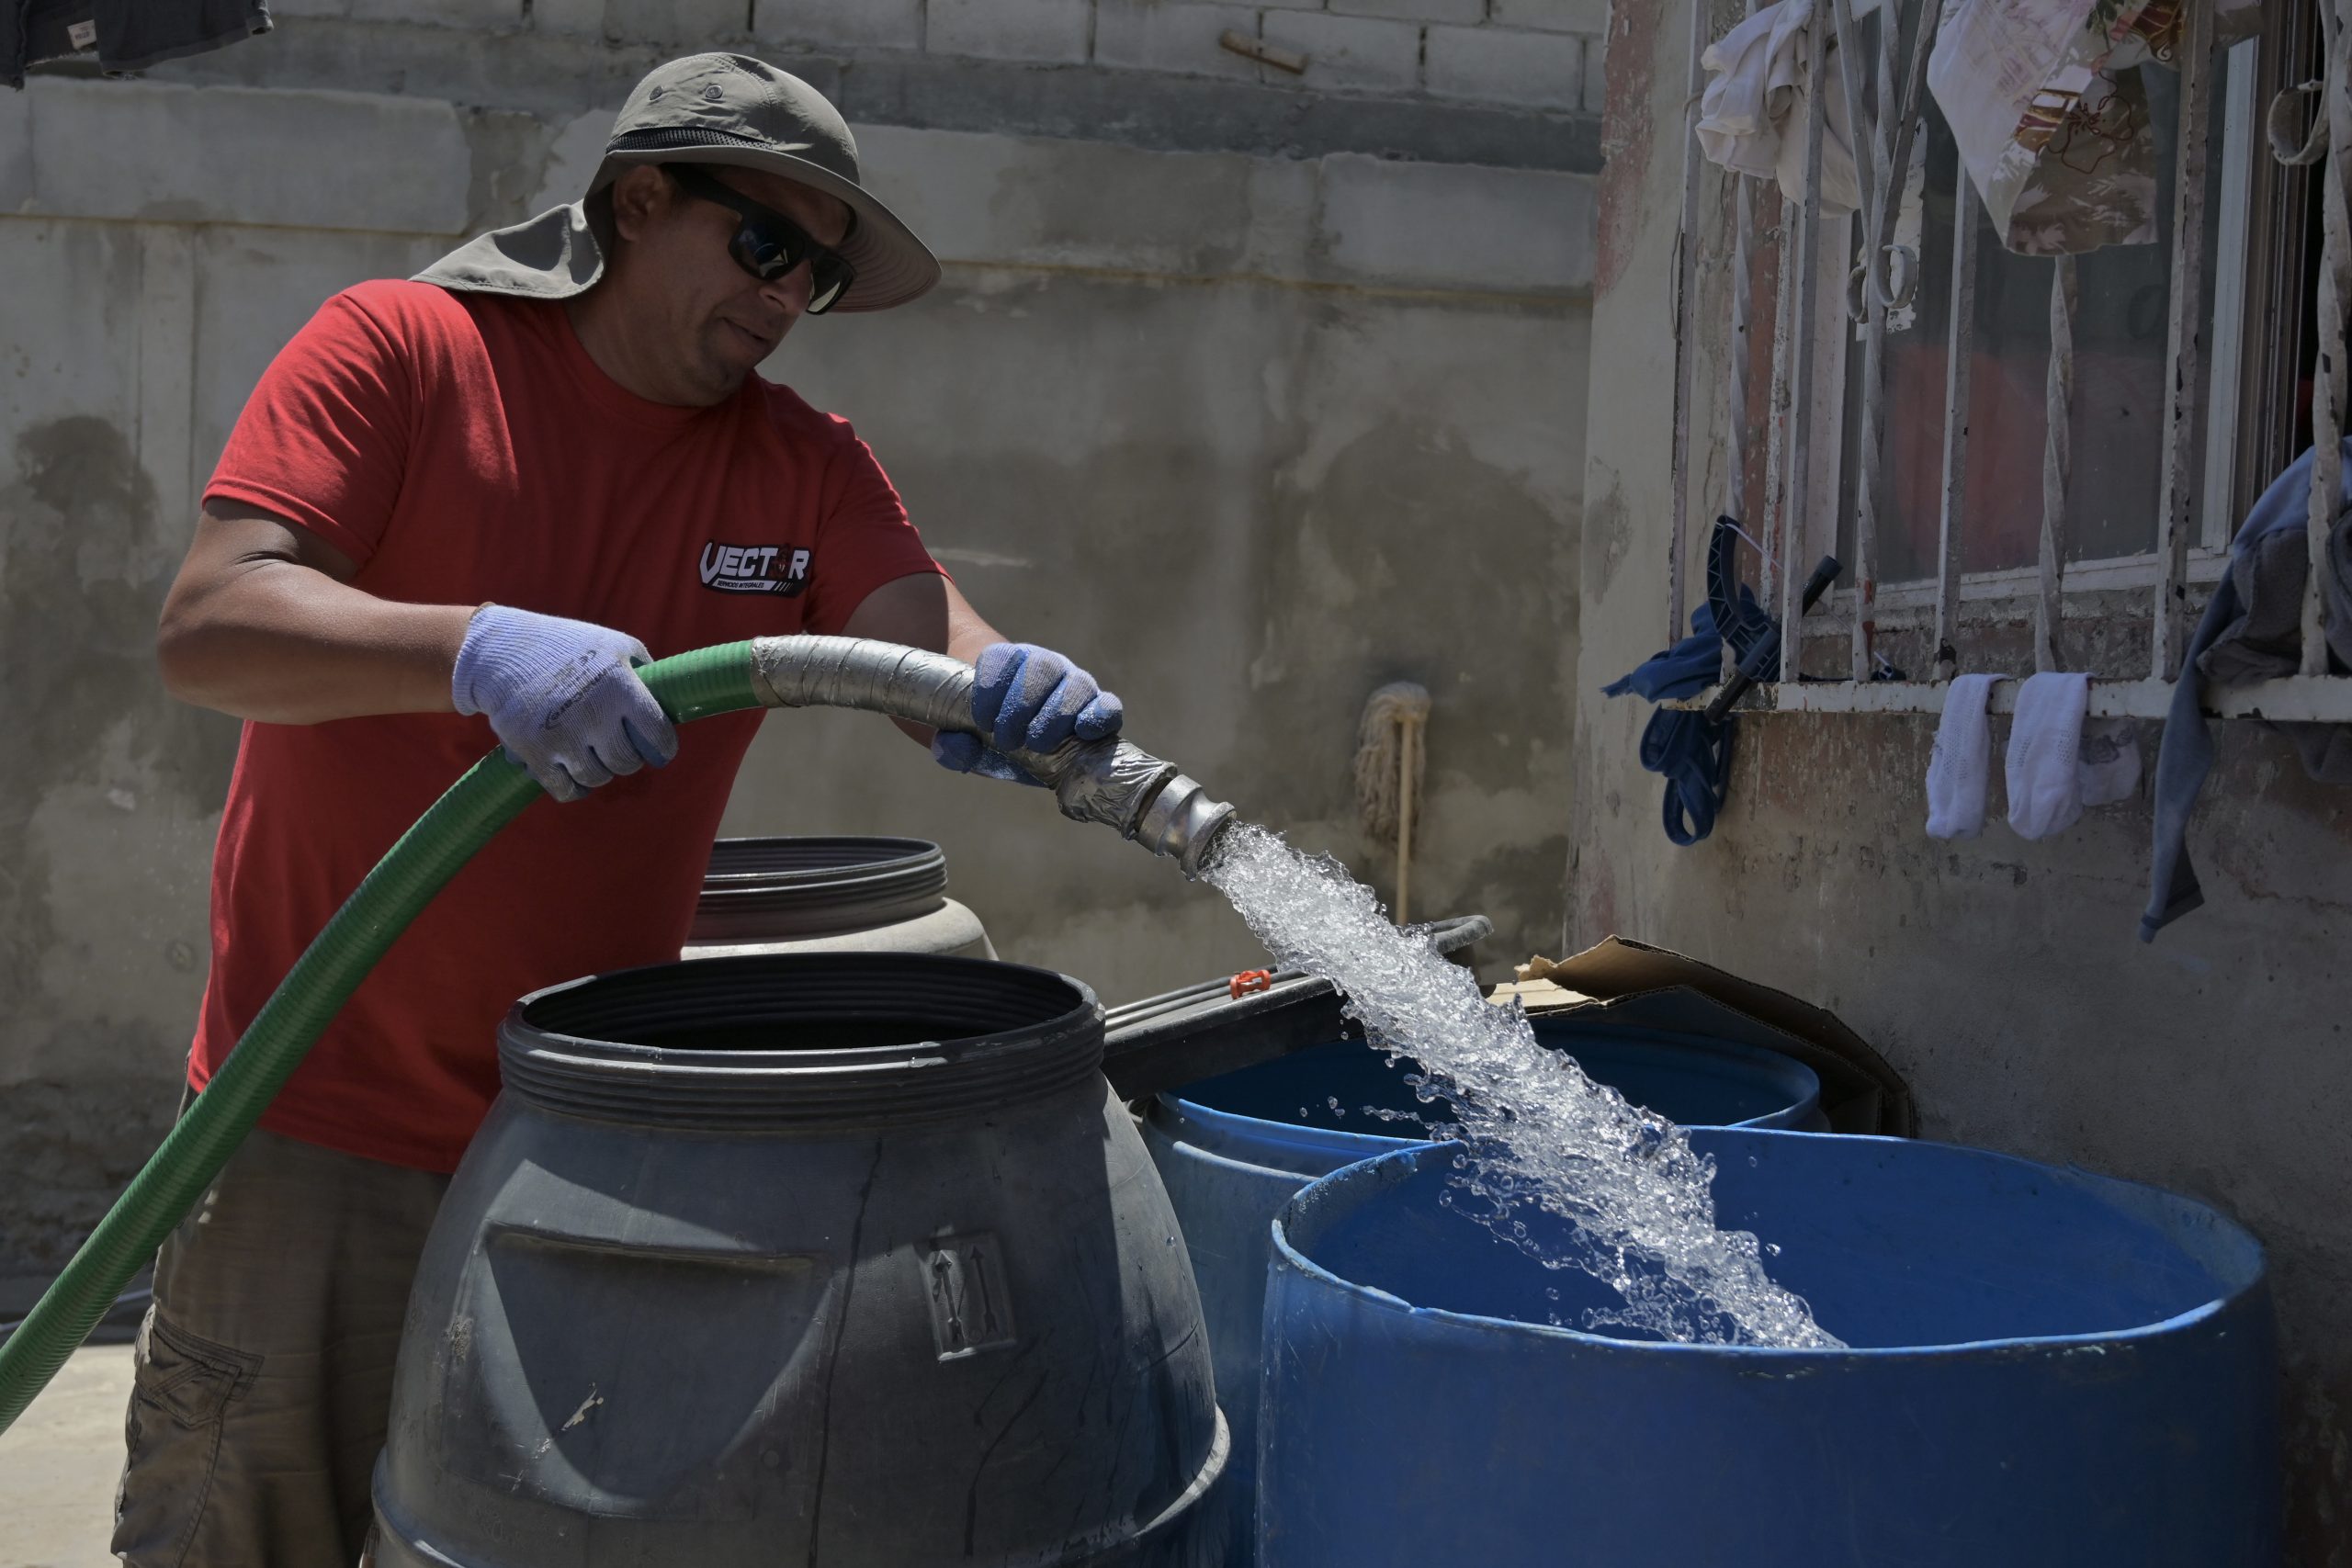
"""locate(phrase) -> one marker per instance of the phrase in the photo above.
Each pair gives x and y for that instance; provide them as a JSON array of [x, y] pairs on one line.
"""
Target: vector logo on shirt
[[754, 569]]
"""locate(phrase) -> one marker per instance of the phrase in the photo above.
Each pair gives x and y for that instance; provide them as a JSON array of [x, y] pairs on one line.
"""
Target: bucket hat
[[704, 108]]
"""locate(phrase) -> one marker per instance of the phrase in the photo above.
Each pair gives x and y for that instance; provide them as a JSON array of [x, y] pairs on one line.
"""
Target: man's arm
[[924, 611], [262, 623], [1023, 695]]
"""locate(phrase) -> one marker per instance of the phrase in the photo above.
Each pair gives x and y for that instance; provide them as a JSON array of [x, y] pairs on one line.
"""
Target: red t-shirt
[[463, 448]]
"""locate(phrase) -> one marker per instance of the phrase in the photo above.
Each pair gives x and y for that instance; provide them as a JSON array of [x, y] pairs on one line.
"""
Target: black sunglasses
[[767, 244]]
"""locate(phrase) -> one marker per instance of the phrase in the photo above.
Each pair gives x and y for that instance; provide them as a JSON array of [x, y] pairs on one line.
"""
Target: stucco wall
[[1244, 417], [2002, 977]]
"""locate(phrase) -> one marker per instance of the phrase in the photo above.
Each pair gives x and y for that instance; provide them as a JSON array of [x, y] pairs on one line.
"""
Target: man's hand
[[1026, 697], [563, 696]]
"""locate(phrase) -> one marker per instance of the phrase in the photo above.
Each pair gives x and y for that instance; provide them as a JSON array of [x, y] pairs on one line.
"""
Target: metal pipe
[[1803, 357], [1961, 344], [2334, 288], [1116, 783], [2057, 466], [1686, 346], [2182, 335]]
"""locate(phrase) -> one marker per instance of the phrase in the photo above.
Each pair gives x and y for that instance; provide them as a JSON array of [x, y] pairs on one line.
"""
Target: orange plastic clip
[[1250, 980]]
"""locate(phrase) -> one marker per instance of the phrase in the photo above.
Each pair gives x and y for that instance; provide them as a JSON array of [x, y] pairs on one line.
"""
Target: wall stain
[[1409, 559], [1628, 70], [82, 571], [1608, 527]]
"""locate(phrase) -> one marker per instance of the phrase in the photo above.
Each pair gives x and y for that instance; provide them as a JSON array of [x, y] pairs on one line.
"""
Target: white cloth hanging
[[1961, 765], [2044, 763], [2110, 761], [1752, 111]]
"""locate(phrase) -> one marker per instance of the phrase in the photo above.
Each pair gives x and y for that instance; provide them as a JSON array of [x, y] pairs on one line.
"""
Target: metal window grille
[[1799, 489]]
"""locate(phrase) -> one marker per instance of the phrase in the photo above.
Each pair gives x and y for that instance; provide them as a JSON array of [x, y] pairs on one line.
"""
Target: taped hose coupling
[[1113, 782], [1125, 787]]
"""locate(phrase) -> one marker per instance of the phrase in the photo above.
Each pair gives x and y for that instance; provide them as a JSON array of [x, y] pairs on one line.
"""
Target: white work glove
[[563, 696]]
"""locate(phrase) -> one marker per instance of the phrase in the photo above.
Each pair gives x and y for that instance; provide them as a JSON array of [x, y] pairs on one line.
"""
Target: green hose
[[493, 793]]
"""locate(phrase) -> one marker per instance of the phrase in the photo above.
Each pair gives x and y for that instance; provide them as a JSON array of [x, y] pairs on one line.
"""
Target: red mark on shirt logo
[[754, 569]]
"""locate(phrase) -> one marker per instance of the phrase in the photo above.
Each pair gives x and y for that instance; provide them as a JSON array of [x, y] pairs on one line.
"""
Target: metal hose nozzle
[[1116, 783]]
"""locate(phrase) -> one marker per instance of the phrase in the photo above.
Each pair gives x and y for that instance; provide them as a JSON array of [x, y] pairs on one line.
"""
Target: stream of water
[[1540, 1136]]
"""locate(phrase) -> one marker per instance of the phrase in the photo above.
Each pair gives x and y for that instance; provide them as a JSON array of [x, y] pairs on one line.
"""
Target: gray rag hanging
[[2252, 630], [127, 35]]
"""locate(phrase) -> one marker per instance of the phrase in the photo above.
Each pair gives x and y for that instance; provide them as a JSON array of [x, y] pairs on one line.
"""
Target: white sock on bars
[[2045, 753], [1963, 762]]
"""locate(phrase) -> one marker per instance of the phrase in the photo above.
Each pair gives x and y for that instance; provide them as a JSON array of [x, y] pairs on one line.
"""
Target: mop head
[[1379, 765]]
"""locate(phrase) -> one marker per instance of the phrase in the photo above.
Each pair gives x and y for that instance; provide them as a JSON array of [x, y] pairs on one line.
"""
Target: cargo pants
[[263, 1374]]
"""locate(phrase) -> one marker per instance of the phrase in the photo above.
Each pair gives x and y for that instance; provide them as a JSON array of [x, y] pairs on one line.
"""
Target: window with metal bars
[[1907, 427]]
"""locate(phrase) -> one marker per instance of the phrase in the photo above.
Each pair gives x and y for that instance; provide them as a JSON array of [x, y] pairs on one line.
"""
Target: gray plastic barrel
[[846, 1259], [1234, 1149], [814, 894]]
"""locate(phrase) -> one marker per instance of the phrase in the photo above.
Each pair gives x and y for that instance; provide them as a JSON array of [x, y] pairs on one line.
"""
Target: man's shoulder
[[795, 418], [402, 304]]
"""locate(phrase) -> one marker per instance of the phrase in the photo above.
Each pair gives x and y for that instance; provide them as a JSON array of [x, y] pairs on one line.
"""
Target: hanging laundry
[[2108, 764], [1691, 751], [1962, 764], [2044, 762], [2252, 630], [1752, 111], [126, 35], [1693, 754], [2052, 116]]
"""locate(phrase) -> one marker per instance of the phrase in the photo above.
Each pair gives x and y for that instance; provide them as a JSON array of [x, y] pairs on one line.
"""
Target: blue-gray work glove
[[563, 696], [1028, 697]]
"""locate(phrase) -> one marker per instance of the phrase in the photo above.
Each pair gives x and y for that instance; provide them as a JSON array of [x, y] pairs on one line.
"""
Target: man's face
[[676, 270]]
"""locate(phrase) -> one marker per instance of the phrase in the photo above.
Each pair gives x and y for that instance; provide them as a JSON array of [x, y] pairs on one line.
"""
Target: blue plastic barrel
[[1232, 1150], [2049, 1369]]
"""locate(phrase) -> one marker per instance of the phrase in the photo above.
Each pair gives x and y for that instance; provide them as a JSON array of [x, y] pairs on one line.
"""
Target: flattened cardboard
[[1634, 983]]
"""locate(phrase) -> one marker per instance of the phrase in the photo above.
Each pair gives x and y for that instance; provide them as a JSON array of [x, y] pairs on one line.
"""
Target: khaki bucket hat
[[705, 108]]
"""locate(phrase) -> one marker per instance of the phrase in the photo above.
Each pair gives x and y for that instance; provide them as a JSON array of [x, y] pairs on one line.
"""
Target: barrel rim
[[1373, 1171], [1170, 1110], [550, 1064], [784, 885]]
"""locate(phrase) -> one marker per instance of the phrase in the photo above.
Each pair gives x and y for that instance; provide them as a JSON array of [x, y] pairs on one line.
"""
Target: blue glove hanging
[[1694, 755], [1026, 698]]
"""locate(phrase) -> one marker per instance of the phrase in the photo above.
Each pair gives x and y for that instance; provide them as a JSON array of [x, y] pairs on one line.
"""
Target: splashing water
[[1540, 1137]]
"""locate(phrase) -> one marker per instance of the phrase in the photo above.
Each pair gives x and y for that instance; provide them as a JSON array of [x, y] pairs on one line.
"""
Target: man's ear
[[639, 196]]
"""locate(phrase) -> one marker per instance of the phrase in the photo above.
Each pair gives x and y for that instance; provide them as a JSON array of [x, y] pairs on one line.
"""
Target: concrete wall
[[1247, 418], [2002, 977]]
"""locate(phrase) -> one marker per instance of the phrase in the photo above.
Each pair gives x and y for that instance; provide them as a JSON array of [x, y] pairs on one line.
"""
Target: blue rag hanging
[[1694, 755]]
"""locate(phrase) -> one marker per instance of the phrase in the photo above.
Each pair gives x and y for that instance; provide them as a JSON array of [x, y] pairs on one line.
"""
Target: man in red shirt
[[461, 509]]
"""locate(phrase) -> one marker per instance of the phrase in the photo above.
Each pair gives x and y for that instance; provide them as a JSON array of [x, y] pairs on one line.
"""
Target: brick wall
[[1542, 54], [1538, 53]]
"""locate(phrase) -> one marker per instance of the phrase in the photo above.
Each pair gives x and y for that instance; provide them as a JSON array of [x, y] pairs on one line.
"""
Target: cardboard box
[[1638, 985]]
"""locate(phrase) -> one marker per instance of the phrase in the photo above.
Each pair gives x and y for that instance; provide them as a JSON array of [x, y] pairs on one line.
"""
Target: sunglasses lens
[[763, 255], [829, 280]]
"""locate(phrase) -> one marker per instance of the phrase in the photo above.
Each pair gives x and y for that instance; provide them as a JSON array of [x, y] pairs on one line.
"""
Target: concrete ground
[[59, 1464]]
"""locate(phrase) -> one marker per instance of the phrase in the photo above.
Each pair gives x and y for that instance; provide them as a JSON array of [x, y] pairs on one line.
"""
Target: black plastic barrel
[[847, 1260], [830, 894]]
